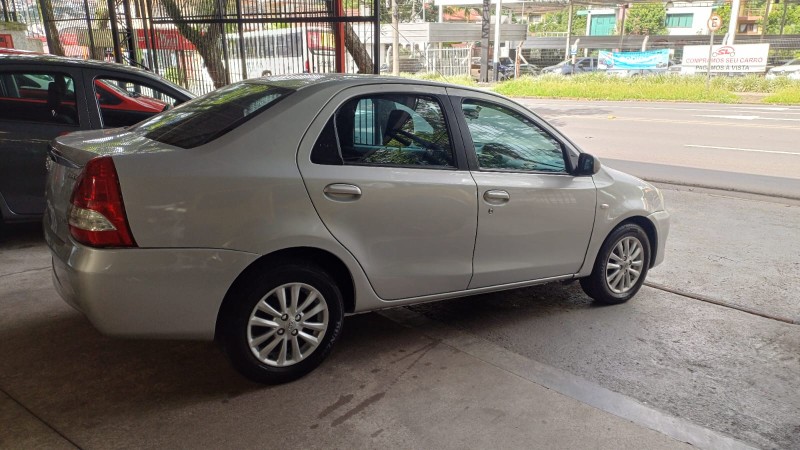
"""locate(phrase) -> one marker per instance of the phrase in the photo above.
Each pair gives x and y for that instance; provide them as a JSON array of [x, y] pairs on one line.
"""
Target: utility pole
[[496, 52], [485, 42], [569, 31], [783, 18], [733, 25], [395, 39], [623, 7], [765, 23]]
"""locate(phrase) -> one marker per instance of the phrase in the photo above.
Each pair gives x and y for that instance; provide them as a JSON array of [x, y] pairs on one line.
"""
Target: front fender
[[620, 198]]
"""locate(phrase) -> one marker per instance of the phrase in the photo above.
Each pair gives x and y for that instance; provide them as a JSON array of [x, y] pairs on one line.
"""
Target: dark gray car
[[44, 96]]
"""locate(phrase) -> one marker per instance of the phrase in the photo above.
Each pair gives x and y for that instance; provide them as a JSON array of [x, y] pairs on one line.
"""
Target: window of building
[[680, 20]]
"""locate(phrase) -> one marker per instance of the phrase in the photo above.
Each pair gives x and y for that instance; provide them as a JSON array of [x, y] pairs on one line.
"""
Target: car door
[[388, 177], [534, 218], [37, 104]]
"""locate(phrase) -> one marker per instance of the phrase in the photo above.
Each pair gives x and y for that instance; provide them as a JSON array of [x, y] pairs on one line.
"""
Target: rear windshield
[[208, 117]]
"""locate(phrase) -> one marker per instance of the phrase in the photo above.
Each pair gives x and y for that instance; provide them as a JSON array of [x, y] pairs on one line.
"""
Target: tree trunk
[[53, 39], [357, 50], [353, 43], [209, 45]]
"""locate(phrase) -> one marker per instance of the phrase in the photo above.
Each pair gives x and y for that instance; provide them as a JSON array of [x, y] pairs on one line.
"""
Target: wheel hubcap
[[287, 324], [624, 265]]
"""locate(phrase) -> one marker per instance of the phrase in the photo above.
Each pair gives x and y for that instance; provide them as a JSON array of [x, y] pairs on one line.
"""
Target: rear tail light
[[97, 217]]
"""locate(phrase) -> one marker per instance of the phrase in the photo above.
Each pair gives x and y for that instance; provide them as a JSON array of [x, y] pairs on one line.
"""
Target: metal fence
[[448, 61], [545, 51], [204, 44]]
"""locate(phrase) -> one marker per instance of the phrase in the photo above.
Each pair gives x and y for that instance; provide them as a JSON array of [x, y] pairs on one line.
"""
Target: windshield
[[208, 117]]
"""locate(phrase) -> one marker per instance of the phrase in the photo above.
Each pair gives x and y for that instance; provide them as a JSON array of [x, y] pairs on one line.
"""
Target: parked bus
[[299, 49]]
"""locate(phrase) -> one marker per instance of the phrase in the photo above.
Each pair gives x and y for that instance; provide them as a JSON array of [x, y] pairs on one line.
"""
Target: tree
[[558, 21], [792, 24], [646, 18], [724, 13], [207, 38], [53, 38]]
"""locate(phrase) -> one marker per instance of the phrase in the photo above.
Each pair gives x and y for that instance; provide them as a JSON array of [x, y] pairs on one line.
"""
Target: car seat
[[56, 93]]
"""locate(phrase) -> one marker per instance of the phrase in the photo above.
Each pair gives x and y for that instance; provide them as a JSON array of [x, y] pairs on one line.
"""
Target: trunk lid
[[67, 157]]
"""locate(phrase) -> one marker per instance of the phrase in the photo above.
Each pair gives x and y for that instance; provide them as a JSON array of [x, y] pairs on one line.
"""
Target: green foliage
[[175, 75], [408, 11], [724, 12], [599, 86], [753, 83], [558, 21], [646, 18], [463, 80], [13, 26], [786, 96], [792, 25]]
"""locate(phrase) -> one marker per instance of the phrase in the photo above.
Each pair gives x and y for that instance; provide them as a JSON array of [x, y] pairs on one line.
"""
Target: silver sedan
[[260, 214]]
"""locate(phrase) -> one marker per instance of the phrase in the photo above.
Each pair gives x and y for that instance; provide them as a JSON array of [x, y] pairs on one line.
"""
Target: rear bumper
[[660, 220], [165, 293]]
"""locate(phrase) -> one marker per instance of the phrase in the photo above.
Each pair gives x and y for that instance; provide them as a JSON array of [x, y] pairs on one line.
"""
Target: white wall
[[699, 22]]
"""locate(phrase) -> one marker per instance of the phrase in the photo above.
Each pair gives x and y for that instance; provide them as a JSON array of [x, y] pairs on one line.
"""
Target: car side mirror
[[587, 165]]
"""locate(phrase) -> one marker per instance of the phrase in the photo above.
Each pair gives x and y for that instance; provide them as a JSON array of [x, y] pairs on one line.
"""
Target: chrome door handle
[[496, 196], [342, 191]]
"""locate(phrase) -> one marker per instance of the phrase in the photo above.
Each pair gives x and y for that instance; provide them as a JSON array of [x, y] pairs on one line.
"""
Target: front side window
[[125, 102], [392, 130], [44, 97], [505, 140]]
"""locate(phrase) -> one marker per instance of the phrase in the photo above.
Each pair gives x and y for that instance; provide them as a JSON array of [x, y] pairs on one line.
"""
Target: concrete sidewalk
[[395, 379], [64, 385]]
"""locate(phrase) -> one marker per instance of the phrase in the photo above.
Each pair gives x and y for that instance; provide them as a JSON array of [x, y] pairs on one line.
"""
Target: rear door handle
[[496, 197], [342, 192]]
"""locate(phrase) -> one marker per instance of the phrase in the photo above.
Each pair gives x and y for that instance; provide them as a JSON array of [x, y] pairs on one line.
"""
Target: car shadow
[[524, 304], [54, 360], [20, 235]]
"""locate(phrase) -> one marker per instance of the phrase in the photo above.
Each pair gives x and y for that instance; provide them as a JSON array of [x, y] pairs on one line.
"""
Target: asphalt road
[[750, 148]]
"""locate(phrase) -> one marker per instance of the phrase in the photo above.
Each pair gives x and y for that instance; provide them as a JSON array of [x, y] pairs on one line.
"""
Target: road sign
[[714, 22]]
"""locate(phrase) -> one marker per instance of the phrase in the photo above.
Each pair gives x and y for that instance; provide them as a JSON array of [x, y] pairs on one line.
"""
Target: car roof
[[308, 81], [53, 60]]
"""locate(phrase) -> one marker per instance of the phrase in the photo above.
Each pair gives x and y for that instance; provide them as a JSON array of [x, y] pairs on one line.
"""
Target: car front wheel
[[620, 267], [284, 325]]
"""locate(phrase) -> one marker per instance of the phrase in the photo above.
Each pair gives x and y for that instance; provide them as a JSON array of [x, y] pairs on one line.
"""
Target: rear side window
[[44, 97], [208, 117], [387, 130]]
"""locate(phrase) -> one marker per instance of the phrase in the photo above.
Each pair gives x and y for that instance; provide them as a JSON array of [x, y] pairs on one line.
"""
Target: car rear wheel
[[284, 325], [620, 267]]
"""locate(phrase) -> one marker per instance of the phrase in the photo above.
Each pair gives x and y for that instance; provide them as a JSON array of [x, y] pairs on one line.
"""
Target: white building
[[686, 18]]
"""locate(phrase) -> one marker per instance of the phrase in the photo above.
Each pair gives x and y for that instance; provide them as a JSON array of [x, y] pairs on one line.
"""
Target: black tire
[[237, 330], [598, 286]]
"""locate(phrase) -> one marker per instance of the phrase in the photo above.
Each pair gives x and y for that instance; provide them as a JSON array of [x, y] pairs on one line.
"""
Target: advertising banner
[[652, 59], [725, 58]]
